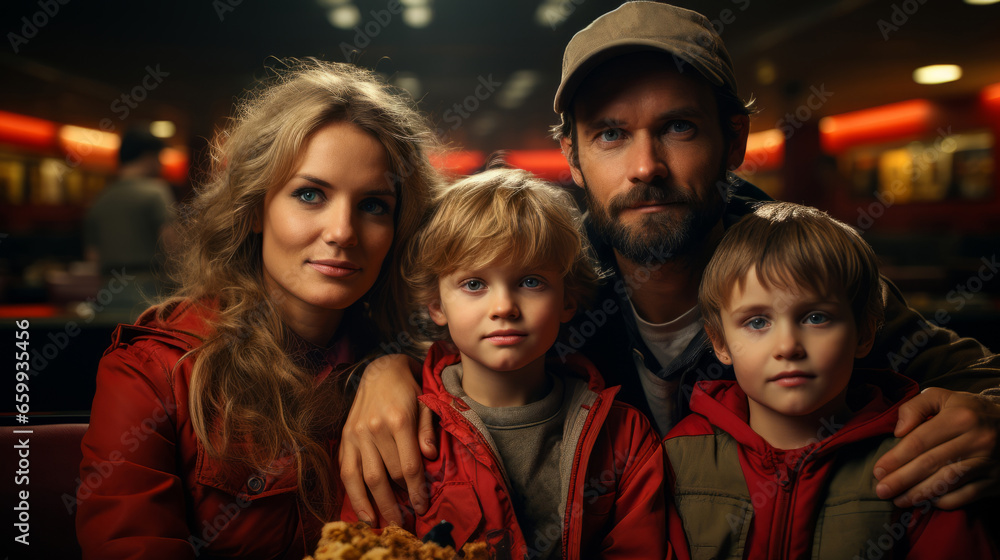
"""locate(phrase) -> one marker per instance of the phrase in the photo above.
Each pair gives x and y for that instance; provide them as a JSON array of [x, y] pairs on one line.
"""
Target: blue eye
[[611, 135], [680, 126], [757, 323], [817, 319], [307, 195], [374, 206], [531, 282], [473, 285]]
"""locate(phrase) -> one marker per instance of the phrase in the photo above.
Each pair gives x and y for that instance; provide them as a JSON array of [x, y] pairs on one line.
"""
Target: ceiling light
[[766, 72], [418, 16], [345, 16], [981, 2], [89, 137], [937, 74], [162, 129], [552, 13]]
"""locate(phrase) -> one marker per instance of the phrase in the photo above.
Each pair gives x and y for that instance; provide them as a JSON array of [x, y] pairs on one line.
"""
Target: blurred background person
[[130, 227]]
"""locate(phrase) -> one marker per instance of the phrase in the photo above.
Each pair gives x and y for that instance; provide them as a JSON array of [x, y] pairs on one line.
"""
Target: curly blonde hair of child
[[503, 216]]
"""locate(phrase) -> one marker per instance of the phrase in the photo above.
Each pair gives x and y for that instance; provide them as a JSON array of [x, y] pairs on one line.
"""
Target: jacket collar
[[185, 318], [192, 322], [875, 395], [443, 354]]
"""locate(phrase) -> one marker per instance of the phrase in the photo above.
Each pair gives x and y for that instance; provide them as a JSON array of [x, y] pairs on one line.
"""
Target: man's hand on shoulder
[[949, 452], [386, 437]]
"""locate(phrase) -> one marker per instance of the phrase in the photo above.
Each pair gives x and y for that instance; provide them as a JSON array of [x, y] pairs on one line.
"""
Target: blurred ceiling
[[72, 62]]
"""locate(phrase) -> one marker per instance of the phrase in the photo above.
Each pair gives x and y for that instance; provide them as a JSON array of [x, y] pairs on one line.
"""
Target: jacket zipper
[[598, 412], [779, 547], [786, 480], [496, 465], [581, 457]]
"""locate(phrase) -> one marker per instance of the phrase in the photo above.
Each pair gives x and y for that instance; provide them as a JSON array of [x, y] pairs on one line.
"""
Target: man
[[652, 126]]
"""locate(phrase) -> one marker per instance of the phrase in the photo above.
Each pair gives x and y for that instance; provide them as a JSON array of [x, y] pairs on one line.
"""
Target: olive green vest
[[716, 508]]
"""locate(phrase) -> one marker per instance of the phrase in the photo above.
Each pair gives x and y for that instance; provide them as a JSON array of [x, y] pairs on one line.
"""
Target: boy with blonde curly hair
[[537, 457]]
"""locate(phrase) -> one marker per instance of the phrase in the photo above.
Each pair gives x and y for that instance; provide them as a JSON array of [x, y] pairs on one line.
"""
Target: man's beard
[[661, 236]]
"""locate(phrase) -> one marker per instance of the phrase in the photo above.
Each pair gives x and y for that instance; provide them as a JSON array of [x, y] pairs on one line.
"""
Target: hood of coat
[[187, 318], [874, 395]]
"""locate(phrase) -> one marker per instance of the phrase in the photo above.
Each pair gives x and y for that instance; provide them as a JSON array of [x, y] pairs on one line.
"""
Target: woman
[[217, 413]]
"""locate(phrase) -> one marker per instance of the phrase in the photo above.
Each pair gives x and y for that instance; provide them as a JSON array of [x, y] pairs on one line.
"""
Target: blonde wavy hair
[[253, 397], [500, 215]]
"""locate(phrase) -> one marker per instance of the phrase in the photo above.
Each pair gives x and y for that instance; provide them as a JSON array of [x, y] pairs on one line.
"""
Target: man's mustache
[[647, 193]]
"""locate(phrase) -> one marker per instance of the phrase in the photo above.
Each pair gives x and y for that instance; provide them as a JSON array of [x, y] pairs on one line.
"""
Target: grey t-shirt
[[666, 341], [529, 440]]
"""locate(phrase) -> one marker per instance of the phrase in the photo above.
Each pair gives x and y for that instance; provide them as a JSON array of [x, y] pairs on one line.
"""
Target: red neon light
[[457, 163], [767, 153], [89, 156], [762, 159], [29, 132], [174, 165], [991, 97], [878, 124], [31, 310], [547, 164]]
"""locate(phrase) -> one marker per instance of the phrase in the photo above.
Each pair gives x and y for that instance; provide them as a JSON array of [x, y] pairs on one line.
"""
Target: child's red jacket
[[734, 494], [614, 507]]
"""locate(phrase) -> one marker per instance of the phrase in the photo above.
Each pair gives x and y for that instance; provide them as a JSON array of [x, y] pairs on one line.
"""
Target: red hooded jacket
[[732, 492], [148, 488], [615, 503]]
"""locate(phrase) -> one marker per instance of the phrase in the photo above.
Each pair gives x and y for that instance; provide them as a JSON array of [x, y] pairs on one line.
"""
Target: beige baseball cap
[[645, 26]]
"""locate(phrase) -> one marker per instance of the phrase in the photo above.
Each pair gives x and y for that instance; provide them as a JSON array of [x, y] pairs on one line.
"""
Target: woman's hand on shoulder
[[386, 437]]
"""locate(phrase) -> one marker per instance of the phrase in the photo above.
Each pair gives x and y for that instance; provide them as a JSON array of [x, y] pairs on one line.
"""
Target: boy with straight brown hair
[[778, 464]]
